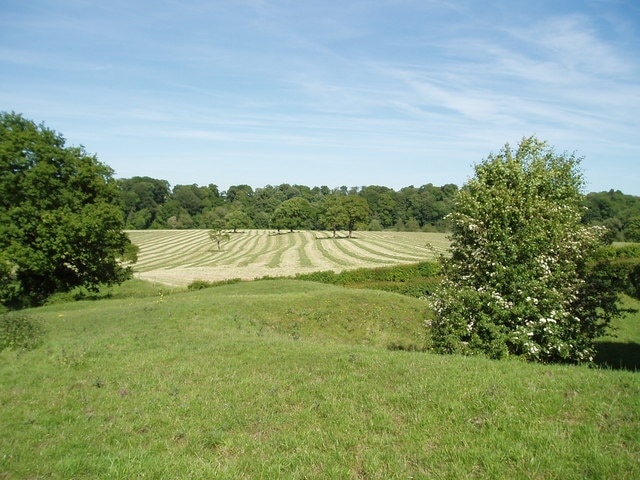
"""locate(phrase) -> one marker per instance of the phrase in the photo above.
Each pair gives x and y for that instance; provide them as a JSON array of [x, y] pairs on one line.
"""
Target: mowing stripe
[[178, 257]]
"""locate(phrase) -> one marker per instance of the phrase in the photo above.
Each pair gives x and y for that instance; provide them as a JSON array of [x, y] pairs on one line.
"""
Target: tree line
[[150, 203]]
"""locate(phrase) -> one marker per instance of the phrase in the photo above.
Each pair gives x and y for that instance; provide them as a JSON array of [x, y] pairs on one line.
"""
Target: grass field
[[292, 379], [178, 257]]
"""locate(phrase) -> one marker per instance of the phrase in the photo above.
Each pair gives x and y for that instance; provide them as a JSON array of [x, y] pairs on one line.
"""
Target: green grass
[[293, 379], [621, 348]]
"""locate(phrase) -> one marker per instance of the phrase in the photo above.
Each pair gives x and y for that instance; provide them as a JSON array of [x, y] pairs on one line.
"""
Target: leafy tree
[[293, 213], [616, 211], [375, 225], [141, 198], [381, 201], [238, 219], [267, 199], [189, 197], [218, 236], [334, 215], [60, 222], [518, 281], [412, 225], [212, 218], [240, 193], [357, 211], [633, 229]]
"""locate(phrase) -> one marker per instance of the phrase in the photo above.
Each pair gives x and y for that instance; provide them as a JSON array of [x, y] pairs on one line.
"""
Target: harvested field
[[178, 257]]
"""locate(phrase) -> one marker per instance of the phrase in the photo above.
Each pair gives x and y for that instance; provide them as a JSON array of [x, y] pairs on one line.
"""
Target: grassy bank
[[292, 379]]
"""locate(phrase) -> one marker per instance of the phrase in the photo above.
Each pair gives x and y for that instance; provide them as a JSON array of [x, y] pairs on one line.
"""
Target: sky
[[348, 92]]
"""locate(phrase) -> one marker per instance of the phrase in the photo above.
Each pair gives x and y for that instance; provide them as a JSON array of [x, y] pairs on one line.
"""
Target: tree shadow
[[618, 355], [338, 237]]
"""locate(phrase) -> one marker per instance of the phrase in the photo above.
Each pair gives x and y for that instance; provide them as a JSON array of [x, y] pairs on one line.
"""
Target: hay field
[[178, 257]]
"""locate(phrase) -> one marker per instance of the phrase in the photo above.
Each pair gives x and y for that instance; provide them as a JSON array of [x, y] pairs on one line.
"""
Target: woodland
[[150, 203]]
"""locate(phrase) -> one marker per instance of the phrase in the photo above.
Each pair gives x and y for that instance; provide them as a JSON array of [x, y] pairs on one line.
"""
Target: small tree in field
[[517, 282], [217, 236]]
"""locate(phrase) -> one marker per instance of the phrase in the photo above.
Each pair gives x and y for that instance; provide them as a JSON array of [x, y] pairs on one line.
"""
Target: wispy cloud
[[428, 87]]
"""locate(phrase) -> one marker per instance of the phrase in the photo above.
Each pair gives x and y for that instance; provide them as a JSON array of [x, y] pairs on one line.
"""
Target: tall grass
[[292, 379]]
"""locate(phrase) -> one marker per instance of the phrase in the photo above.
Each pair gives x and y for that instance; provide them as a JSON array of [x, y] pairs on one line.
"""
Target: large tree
[[60, 222], [356, 209], [293, 213], [238, 219], [518, 282], [333, 214]]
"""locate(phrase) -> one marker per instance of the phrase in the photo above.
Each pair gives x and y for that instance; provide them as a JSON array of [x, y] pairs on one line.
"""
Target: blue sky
[[349, 92]]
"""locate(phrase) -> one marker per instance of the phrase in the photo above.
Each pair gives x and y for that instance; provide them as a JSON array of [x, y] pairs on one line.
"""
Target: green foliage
[[618, 269], [293, 213], [415, 280], [226, 383], [141, 199], [238, 219], [60, 223], [518, 281], [334, 215], [618, 212], [218, 236], [201, 284], [356, 211], [20, 331], [151, 203]]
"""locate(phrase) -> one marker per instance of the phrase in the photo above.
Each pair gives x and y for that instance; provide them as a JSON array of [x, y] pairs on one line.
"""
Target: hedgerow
[[415, 280]]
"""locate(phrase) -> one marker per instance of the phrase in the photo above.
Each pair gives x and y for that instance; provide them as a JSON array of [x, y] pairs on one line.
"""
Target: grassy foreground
[[292, 379]]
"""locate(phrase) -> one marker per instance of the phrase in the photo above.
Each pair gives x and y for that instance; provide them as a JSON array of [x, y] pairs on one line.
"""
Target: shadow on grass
[[338, 237], [618, 355]]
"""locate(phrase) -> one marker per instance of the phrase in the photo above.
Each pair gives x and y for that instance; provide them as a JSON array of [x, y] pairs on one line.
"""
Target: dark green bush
[[415, 280], [327, 276], [416, 288], [19, 331], [618, 268]]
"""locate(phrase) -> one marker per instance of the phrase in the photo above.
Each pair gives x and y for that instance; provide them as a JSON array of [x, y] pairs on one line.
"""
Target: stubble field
[[179, 257]]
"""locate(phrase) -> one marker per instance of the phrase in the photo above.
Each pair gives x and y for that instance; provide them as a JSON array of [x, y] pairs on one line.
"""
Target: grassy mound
[[293, 379]]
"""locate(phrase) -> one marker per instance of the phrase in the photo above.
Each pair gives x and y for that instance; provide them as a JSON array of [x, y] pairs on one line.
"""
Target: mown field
[[178, 257]]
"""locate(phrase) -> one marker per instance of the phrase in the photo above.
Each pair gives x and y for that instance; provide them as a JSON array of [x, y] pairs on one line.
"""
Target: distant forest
[[150, 203]]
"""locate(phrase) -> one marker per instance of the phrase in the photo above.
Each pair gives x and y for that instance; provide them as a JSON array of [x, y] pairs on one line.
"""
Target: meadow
[[284, 378]]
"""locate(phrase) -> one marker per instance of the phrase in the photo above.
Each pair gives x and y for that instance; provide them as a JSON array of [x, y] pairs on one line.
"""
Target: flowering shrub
[[517, 281]]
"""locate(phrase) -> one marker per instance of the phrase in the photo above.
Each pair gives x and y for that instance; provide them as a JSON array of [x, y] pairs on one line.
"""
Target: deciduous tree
[[517, 282], [292, 213], [60, 222], [357, 211], [218, 236], [238, 219]]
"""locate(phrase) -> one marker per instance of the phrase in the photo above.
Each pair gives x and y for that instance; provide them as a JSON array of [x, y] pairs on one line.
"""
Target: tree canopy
[[292, 213], [60, 222], [518, 281]]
